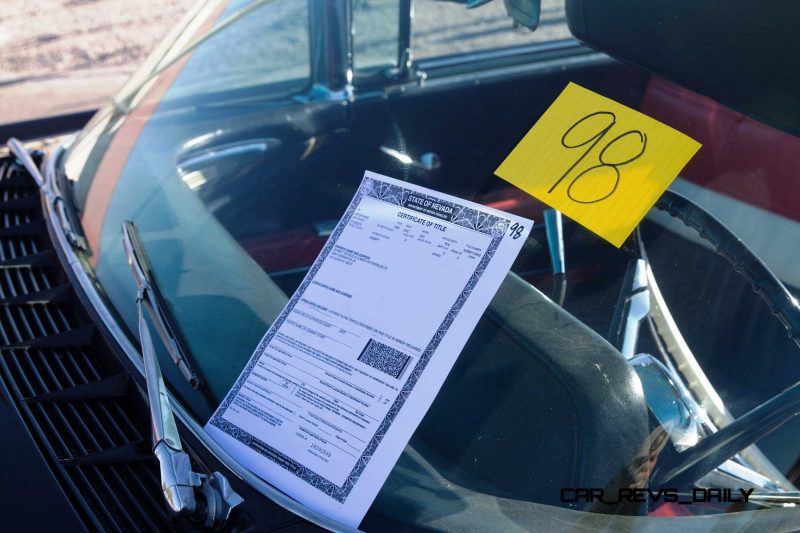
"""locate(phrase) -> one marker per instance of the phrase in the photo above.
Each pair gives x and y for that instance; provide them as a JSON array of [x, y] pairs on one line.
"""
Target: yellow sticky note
[[600, 163]]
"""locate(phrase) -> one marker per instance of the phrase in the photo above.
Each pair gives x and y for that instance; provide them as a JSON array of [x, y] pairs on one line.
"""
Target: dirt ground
[[58, 56], [61, 56]]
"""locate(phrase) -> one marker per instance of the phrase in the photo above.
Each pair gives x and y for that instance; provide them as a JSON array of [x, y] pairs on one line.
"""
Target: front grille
[[86, 415]]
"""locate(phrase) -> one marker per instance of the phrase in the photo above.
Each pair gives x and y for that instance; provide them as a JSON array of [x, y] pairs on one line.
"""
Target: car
[[652, 385]]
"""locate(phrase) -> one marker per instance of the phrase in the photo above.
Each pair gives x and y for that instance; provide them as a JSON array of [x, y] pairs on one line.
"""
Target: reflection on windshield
[[235, 182]]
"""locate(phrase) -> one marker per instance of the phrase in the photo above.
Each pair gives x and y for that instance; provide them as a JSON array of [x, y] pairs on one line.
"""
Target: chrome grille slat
[[105, 441], [74, 447], [113, 421], [9, 283], [21, 280], [56, 434], [37, 328], [61, 315], [101, 406], [82, 447], [82, 358], [28, 281], [135, 500], [45, 313], [71, 482], [9, 321], [26, 322]]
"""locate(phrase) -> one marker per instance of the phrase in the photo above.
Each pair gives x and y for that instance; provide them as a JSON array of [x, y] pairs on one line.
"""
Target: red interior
[[740, 157]]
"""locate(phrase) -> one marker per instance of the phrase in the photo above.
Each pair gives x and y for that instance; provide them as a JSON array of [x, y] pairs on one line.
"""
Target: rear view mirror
[[524, 12]]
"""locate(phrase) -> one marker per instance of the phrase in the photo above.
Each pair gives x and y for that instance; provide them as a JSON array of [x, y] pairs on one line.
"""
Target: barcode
[[384, 358]]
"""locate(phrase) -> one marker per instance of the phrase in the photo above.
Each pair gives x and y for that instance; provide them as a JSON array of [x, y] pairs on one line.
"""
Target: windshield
[[237, 146]]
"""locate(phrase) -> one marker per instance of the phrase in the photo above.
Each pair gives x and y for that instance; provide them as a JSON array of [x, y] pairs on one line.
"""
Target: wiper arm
[[178, 481], [151, 298], [74, 238]]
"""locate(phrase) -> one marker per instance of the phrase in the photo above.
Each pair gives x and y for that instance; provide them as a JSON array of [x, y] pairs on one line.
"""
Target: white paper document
[[346, 372]]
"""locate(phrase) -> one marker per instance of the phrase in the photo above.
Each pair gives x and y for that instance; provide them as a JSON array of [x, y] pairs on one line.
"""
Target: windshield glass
[[237, 146]]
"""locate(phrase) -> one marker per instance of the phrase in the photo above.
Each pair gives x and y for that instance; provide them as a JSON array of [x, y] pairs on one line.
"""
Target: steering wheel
[[694, 463]]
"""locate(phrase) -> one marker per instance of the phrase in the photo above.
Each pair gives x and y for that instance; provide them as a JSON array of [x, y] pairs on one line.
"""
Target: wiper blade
[[151, 298], [74, 237], [178, 481]]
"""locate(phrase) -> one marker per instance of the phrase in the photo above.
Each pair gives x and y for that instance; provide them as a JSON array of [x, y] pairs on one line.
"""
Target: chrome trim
[[561, 45], [733, 475], [682, 426], [212, 154], [786, 498], [561, 63], [638, 309], [89, 290]]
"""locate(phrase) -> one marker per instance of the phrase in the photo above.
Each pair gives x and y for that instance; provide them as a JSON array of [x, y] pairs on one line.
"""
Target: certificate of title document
[[344, 375]]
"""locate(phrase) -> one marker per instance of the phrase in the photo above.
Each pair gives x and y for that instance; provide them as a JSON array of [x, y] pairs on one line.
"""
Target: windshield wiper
[[155, 303], [178, 481], [151, 298], [54, 196]]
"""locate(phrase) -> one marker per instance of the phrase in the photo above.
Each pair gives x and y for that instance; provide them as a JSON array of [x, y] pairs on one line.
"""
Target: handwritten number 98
[[571, 140]]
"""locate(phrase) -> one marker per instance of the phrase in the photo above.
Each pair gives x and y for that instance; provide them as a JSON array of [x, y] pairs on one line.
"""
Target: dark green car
[[650, 386]]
